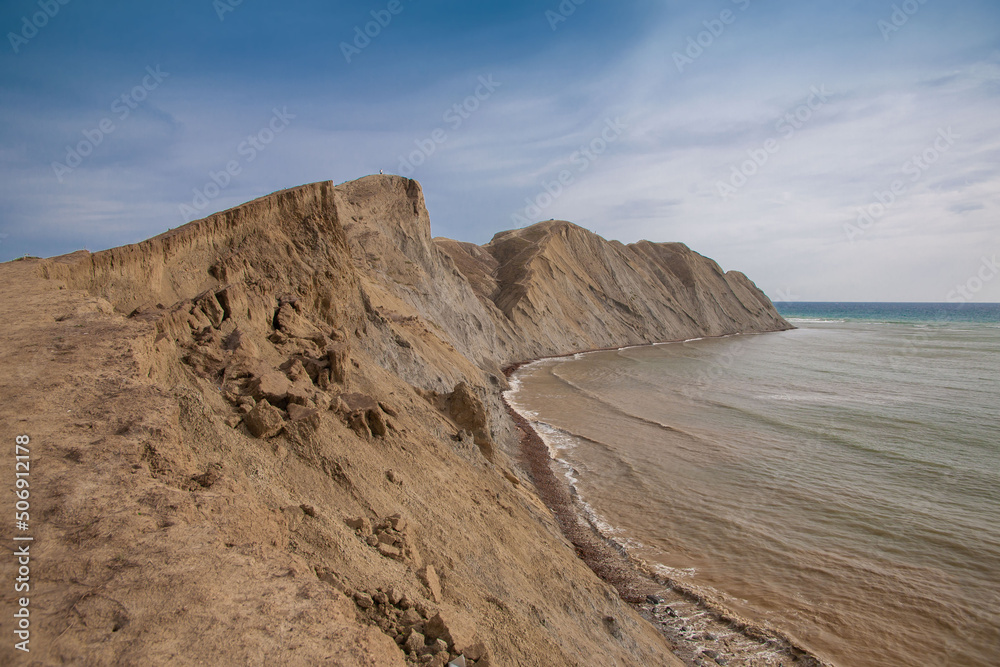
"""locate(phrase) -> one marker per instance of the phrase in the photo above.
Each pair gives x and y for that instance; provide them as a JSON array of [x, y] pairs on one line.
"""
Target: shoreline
[[512, 368], [696, 623]]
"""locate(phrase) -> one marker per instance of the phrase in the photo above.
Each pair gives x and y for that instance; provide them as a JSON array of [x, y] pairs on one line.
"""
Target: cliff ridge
[[276, 435]]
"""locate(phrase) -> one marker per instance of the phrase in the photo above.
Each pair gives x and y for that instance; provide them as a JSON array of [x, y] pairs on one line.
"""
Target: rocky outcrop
[[289, 414], [562, 288]]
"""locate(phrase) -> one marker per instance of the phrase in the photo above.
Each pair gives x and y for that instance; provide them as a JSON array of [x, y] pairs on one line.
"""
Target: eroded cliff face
[[275, 435], [564, 289]]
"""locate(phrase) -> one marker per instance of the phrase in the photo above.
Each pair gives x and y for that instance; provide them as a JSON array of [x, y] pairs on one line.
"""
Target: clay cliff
[[559, 287], [276, 435]]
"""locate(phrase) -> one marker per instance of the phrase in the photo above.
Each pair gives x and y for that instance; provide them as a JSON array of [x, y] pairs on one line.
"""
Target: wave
[[558, 440], [811, 319], [618, 409]]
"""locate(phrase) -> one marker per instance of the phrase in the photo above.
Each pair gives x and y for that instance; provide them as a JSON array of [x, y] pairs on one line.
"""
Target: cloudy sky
[[833, 150]]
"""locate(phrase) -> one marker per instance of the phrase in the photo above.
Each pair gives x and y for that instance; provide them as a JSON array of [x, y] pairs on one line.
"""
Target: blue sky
[[844, 150]]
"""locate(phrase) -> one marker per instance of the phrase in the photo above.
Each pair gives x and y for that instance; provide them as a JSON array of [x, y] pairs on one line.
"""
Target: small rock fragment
[[410, 617], [430, 577], [376, 423], [294, 325], [359, 425], [294, 369], [322, 401], [265, 420], [337, 356], [272, 386], [297, 413], [211, 308], [364, 600], [360, 523], [359, 402], [414, 642], [323, 379], [388, 550], [300, 396], [457, 632]]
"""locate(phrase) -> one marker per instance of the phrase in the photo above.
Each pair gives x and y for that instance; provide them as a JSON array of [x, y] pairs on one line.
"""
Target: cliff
[[275, 435], [560, 287]]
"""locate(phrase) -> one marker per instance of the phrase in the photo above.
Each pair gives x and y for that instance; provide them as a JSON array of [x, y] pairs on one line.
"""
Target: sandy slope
[[274, 436]]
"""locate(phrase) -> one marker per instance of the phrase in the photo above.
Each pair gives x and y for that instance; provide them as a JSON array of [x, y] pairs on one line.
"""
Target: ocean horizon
[[890, 312]]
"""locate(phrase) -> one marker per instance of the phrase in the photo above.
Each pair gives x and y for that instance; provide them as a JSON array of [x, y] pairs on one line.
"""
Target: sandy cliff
[[275, 435], [564, 288]]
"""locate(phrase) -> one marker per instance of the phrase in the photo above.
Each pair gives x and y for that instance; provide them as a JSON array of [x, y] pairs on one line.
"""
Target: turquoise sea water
[[925, 313], [840, 481]]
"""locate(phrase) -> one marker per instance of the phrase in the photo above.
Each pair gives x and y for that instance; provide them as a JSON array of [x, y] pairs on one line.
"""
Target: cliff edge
[[276, 435]]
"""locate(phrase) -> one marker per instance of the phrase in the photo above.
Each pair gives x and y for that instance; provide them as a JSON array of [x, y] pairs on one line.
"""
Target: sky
[[835, 150]]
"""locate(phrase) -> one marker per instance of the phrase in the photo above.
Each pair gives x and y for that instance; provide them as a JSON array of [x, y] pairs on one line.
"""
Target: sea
[[839, 482]]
